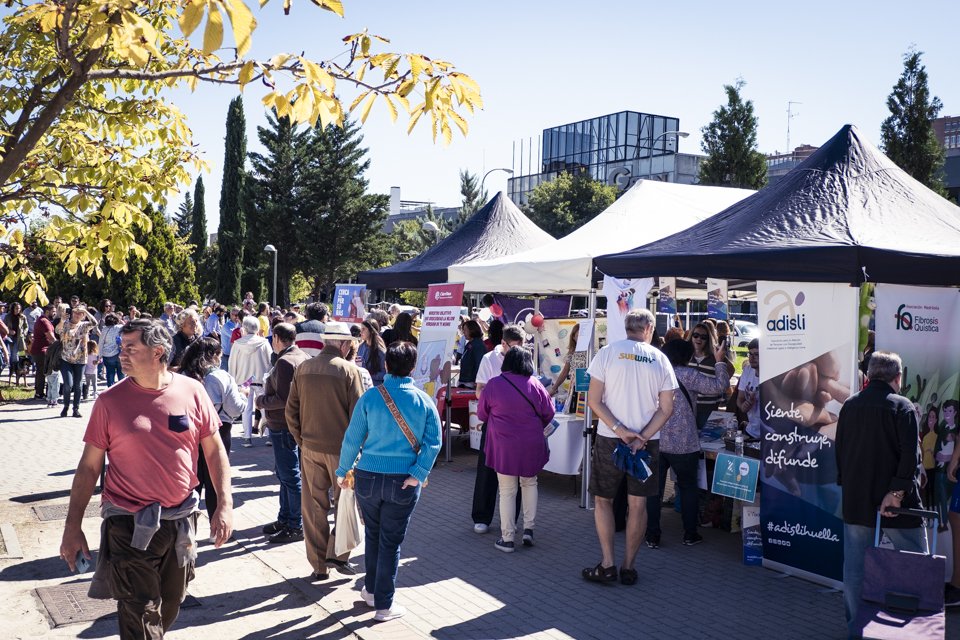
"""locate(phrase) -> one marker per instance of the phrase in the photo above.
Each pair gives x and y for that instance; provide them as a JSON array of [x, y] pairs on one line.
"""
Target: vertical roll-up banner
[[920, 324], [623, 296], [667, 296], [807, 371], [717, 299], [438, 335]]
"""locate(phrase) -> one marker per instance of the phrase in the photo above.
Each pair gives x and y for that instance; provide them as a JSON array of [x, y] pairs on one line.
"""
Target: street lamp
[[679, 134], [272, 249], [431, 227], [510, 171]]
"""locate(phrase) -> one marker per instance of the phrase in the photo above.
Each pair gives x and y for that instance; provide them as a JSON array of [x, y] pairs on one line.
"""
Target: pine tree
[[198, 222], [232, 229], [473, 200], [274, 207], [907, 134], [183, 218], [730, 142], [340, 222]]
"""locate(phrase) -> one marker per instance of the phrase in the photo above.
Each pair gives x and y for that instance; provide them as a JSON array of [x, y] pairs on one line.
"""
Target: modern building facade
[[947, 131], [618, 149]]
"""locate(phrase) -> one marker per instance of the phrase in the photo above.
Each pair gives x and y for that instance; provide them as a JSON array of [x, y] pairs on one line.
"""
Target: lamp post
[[484, 179], [431, 227], [272, 249], [679, 134]]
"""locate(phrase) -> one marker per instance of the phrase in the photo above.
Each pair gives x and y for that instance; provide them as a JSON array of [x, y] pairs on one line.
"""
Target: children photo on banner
[[717, 299], [438, 335], [623, 295], [920, 324], [350, 302], [807, 371]]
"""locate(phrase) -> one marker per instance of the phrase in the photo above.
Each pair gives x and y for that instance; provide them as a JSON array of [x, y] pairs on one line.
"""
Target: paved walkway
[[453, 582]]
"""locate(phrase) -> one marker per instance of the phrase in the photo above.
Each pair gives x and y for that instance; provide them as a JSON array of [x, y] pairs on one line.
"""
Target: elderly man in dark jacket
[[289, 524], [878, 462]]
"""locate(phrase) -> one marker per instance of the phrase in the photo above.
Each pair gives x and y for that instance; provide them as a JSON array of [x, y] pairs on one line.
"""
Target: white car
[[744, 332]]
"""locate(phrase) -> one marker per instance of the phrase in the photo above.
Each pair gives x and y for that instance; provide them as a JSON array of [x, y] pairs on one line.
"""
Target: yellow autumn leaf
[[245, 75], [365, 109], [213, 34], [392, 108], [243, 24], [192, 15]]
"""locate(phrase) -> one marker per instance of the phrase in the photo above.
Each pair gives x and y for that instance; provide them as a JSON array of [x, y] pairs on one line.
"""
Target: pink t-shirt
[[152, 439]]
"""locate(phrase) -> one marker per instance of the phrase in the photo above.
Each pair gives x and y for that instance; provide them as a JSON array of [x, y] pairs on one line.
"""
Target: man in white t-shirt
[[485, 487], [748, 394], [631, 392]]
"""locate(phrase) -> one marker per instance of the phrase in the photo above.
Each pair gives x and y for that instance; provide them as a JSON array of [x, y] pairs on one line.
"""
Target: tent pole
[[586, 502], [536, 342]]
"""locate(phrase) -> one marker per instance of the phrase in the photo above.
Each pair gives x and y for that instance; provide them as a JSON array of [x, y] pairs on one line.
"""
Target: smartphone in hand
[[82, 564]]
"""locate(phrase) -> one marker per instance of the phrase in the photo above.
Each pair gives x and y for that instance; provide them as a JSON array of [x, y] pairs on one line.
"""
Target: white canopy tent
[[648, 211]]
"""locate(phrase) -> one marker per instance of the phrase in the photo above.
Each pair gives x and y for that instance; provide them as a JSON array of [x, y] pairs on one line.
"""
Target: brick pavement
[[453, 582]]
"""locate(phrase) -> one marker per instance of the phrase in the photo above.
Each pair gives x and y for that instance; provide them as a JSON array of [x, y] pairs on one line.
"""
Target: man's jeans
[[286, 458], [386, 510], [856, 540], [112, 365]]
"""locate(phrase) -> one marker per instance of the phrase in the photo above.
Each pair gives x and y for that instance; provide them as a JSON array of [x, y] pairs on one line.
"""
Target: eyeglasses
[[698, 336], [753, 354]]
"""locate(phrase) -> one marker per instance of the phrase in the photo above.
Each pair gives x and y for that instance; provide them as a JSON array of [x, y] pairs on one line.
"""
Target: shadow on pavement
[[39, 569]]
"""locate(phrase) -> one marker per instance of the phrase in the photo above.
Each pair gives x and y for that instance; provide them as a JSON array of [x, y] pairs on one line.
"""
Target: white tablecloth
[[566, 446]]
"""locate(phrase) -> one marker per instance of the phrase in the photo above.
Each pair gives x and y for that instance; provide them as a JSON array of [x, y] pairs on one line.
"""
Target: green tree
[[567, 202], [907, 134], [340, 222], [473, 200], [278, 212], [165, 273], [730, 142], [88, 137], [183, 218], [232, 230], [198, 222]]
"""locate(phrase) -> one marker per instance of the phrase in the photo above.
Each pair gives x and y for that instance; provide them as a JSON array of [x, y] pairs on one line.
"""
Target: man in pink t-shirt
[[153, 426]]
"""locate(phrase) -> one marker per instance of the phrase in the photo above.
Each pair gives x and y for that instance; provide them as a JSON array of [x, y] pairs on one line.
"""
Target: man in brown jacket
[[324, 391], [286, 455]]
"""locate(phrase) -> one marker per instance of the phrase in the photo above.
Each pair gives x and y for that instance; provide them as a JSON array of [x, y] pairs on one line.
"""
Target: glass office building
[[619, 149]]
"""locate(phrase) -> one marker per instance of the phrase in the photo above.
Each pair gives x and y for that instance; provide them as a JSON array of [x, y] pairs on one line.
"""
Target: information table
[[566, 446]]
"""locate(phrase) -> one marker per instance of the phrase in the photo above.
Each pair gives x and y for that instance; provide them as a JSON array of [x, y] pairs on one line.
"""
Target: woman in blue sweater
[[390, 470]]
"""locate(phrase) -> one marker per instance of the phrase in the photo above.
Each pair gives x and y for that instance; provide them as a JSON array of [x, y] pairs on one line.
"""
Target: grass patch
[[16, 393]]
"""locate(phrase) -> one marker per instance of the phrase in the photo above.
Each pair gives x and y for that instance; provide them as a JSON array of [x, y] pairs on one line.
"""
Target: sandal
[[628, 576], [600, 573]]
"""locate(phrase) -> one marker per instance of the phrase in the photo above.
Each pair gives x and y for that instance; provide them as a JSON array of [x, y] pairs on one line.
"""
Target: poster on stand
[[717, 299], [807, 371], [667, 296], [553, 337], [623, 295], [350, 302], [920, 324], [438, 335]]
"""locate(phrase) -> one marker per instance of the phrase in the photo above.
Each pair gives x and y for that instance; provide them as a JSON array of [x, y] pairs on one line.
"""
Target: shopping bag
[[349, 532], [902, 594]]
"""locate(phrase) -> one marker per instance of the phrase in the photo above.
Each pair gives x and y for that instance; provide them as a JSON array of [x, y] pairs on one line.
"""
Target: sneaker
[[480, 528], [366, 596], [951, 595], [272, 528], [77, 414], [528, 537], [247, 443], [63, 414], [268, 443], [394, 612], [690, 539], [286, 535], [653, 540], [504, 545]]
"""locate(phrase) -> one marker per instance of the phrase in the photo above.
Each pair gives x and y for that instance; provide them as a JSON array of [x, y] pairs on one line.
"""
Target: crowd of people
[[338, 407]]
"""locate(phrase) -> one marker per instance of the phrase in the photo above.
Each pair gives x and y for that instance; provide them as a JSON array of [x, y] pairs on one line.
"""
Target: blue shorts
[[955, 498]]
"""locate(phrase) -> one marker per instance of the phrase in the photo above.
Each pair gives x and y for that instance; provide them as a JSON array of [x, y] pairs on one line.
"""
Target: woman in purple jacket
[[516, 408]]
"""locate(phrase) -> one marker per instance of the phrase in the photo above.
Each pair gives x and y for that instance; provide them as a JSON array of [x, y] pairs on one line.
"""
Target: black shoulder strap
[[686, 394]]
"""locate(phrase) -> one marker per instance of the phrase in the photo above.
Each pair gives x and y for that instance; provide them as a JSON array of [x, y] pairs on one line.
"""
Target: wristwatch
[[616, 425], [897, 494]]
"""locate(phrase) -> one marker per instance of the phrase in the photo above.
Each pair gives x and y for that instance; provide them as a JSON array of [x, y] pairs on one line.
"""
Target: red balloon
[[537, 320], [496, 310]]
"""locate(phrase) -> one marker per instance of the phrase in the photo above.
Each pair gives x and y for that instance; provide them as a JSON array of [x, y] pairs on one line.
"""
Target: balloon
[[537, 320], [496, 310]]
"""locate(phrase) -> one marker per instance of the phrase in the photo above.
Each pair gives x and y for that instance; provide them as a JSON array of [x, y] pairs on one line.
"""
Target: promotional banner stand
[[586, 502]]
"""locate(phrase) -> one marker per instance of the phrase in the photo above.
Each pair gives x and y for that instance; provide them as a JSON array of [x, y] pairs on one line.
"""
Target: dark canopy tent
[[498, 229], [847, 212]]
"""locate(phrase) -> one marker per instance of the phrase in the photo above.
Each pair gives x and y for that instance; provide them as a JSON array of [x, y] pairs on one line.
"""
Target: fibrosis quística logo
[[904, 319], [907, 321]]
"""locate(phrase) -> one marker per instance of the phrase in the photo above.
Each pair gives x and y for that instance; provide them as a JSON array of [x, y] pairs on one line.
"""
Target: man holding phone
[[154, 425]]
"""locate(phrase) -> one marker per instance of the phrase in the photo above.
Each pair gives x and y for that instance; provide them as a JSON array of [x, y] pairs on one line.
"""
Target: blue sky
[[541, 64]]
